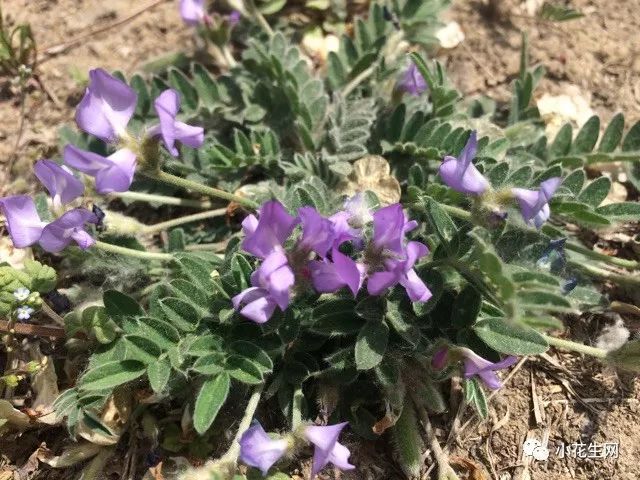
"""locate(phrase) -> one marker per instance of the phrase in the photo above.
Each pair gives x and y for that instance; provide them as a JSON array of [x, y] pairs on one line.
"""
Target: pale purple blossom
[[234, 18], [259, 450], [400, 271], [59, 181], [69, 227], [107, 106], [112, 174], [412, 81], [534, 204], [390, 224], [330, 275], [269, 231], [440, 358], [460, 173], [317, 232], [327, 449], [474, 364], [359, 212], [23, 222], [271, 288], [171, 130], [193, 12]]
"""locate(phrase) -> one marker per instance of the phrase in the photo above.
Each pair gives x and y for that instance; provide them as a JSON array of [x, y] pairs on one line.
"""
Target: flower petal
[[23, 221], [59, 182], [107, 106], [192, 11], [259, 450]]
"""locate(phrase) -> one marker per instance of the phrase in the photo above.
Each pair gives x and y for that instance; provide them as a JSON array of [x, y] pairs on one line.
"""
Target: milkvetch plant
[[366, 235]]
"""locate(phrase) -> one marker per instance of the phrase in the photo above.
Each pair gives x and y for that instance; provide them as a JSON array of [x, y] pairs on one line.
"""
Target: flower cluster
[[463, 176], [474, 364], [316, 256], [104, 111], [194, 14], [258, 449]]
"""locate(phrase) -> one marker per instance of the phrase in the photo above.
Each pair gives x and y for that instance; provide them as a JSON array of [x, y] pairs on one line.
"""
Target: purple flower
[[259, 450], [167, 105], [474, 364], [269, 233], [401, 271], [389, 227], [107, 106], [113, 173], [329, 276], [412, 81], [534, 205], [234, 18], [317, 231], [193, 12], [59, 181], [23, 221], [271, 288], [327, 449], [460, 174], [358, 210], [57, 235]]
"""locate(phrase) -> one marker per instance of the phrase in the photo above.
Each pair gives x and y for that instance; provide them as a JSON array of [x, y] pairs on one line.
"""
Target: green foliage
[[558, 13], [35, 277]]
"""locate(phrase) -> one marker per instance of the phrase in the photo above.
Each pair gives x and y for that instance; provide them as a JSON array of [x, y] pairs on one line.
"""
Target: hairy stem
[[258, 17], [619, 262], [231, 456], [162, 199], [198, 187], [575, 346], [130, 252], [158, 227], [296, 410], [445, 472], [601, 273]]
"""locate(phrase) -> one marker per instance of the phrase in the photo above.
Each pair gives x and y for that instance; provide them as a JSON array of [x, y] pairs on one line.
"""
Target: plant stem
[[130, 252], [601, 273], [456, 211], [198, 187], [158, 227], [445, 472], [258, 17], [575, 346], [153, 198], [231, 456], [296, 410], [619, 262]]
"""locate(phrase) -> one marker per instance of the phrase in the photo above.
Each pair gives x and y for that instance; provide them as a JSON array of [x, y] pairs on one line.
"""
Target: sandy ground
[[562, 395]]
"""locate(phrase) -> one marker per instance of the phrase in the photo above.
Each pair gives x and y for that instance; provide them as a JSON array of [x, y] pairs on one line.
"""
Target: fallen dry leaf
[[372, 173]]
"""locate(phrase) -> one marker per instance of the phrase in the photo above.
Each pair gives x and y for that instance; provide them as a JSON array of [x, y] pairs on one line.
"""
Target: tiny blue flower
[[21, 294], [24, 312]]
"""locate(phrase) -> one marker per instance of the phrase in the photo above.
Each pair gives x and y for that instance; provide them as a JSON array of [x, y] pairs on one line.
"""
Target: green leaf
[[587, 136], [595, 192], [474, 394], [142, 349], [466, 307], [371, 345], [336, 317], [179, 313], [158, 374], [441, 221], [562, 142], [211, 397], [210, 364], [243, 370], [43, 277], [120, 306], [511, 338], [612, 135], [188, 94], [408, 441], [575, 181], [631, 142], [111, 374], [160, 332], [620, 211], [254, 353]]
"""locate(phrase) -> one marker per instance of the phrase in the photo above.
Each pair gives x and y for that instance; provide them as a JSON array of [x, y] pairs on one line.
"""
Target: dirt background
[[569, 397]]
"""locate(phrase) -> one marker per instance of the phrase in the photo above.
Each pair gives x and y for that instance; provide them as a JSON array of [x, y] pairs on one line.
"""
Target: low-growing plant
[[375, 235]]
